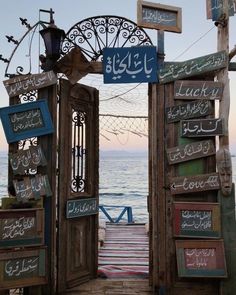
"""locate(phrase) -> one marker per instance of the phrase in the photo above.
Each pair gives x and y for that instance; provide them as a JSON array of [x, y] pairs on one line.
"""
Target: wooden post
[[223, 44]]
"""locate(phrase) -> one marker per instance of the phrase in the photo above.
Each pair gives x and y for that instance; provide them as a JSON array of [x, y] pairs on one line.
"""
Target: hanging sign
[[190, 151], [193, 67], [32, 188], [203, 127], [28, 159], [81, 207], [216, 10], [23, 267], [26, 120], [188, 110], [130, 64], [201, 258], [198, 220], [198, 90], [25, 83], [159, 17], [21, 227], [196, 183]]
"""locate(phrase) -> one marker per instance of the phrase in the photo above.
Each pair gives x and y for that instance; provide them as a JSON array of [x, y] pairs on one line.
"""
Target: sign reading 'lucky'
[[130, 64]]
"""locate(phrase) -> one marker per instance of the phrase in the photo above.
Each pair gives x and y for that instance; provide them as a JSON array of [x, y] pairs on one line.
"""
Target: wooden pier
[[123, 263]]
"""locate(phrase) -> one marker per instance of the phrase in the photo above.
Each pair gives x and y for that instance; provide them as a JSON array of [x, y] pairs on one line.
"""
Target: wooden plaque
[[81, 207], [194, 109], [28, 159], [26, 120], [202, 127], [159, 17], [215, 9], [25, 83], [193, 67], [201, 258], [198, 220], [192, 184], [23, 267], [190, 151], [21, 227], [198, 90]]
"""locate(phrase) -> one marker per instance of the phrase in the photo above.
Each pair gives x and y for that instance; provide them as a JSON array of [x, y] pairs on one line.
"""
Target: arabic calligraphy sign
[[24, 160], [201, 258], [159, 17], [25, 83], [198, 90], [216, 10], [130, 64], [81, 207], [32, 187], [22, 227], [193, 67], [203, 127], [197, 219], [190, 151], [22, 267], [26, 120], [195, 109], [196, 183]]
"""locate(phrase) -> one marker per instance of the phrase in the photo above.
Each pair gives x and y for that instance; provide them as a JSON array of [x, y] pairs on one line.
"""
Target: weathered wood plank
[[25, 83], [193, 67], [190, 151], [194, 109], [198, 89], [197, 183], [201, 128]]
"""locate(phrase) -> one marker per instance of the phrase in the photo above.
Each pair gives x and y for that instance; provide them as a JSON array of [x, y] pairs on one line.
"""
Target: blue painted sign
[[216, 9], [130, 64], [81, 207]]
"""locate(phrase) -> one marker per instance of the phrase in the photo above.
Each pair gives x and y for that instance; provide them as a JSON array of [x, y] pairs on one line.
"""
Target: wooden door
[[77, 185]]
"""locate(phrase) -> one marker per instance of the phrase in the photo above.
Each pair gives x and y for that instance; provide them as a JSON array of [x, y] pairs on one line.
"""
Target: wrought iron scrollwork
[[95, 33], [78, 160]]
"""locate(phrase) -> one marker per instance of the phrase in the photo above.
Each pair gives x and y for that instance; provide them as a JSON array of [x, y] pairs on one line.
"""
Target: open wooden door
[[77, 185]]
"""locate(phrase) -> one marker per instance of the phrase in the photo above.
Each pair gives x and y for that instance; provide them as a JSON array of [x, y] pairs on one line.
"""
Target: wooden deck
[[123, 263]]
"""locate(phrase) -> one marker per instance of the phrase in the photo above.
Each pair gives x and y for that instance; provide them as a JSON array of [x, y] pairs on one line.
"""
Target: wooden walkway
[[125, 252], [123, 263]]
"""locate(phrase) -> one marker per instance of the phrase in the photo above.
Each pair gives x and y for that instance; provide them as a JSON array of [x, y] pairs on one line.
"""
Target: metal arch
[[19, 69], [94, 33]]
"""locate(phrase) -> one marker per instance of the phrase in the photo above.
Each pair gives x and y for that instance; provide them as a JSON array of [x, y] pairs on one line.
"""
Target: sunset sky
[[198, 38]]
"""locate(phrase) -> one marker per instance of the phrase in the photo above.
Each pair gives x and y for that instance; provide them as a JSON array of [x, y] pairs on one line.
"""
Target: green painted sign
[[81, 207], [193, 67]]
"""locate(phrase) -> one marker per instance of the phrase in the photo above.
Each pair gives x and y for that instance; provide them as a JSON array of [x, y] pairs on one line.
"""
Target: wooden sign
[[193, 67], [203, 127], [81, 207], [194, 109], [25, 83], [201, 258], [29, 159], [23, 267], [192, 184], [190, 151], [198, 90], [130, 64], [26, 120], [198, 220], [32, 187], [159, 17], [21, 228], [215, 9]]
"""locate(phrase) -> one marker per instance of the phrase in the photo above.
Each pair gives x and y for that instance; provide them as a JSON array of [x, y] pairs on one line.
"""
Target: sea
[[123, 182]]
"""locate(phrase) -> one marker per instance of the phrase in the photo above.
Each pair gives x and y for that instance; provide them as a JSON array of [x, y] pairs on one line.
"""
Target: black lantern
[[53, 38]]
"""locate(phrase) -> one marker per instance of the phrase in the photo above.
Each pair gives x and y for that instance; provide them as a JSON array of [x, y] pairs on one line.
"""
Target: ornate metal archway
[[94, 33]]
